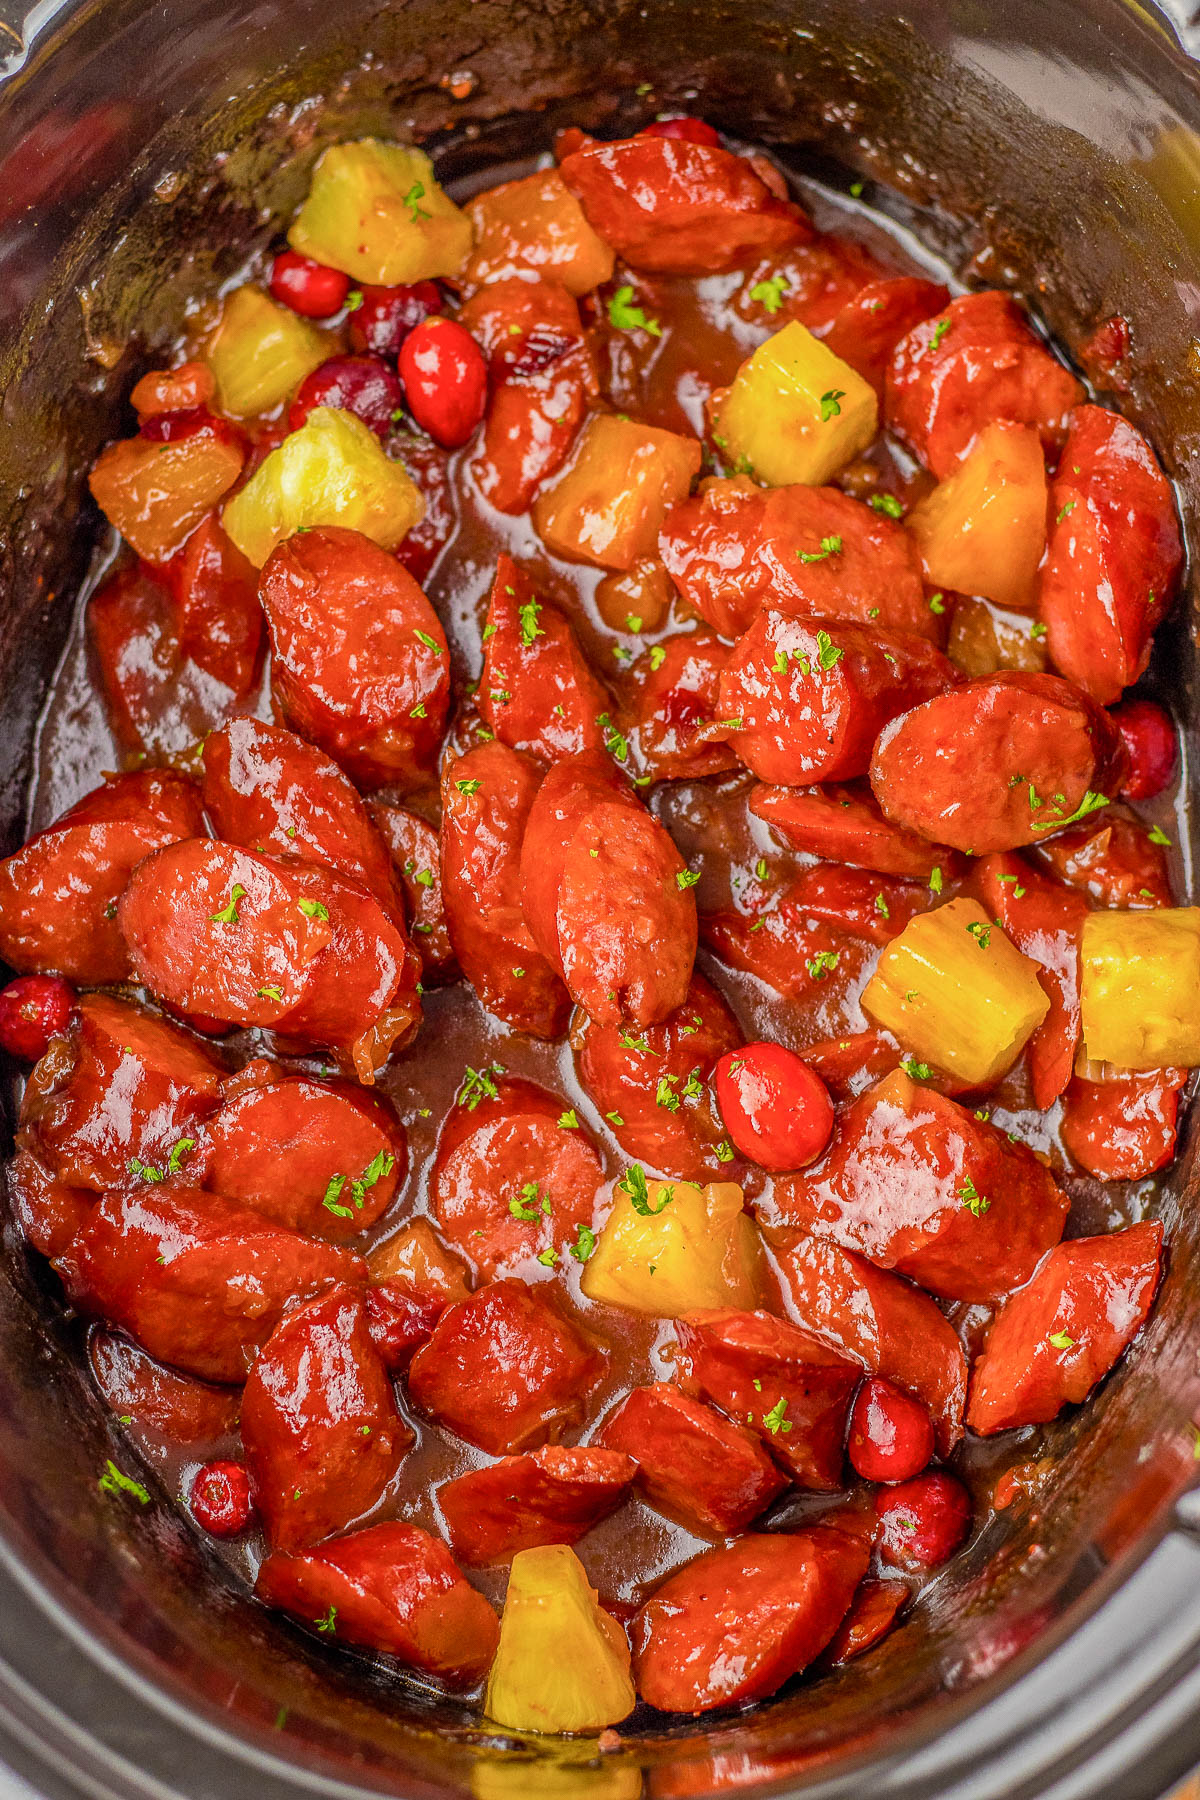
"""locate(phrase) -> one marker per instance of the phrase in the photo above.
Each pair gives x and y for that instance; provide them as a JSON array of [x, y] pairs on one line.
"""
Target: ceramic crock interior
[[142, 152]]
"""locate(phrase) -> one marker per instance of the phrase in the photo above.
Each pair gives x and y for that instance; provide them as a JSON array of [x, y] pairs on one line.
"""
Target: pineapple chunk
[[157, 493], [669, 1247], [563, 1663], [330, 472], [416, 1260], [795, 411], [260, 353], [609, 504], [983, 529], [536, 226], [375, 211], [958, 993], [1140, 988]]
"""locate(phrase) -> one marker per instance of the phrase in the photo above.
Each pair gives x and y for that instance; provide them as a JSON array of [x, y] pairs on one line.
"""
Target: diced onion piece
[[983, 529], [330, 472], [376, 212], [795, 411], [609, 504], [668, 1247], [957, 993], [1140, 988], [563, 1662], [260, 353]]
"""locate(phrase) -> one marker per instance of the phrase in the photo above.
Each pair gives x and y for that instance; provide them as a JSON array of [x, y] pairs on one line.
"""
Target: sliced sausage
[[1044, 920], [391, 1588], [506, 1370], [918, 1184], [804, 700], [417, 859], [49, 1212], [873, 1611], [321, 1430], [1122, 1130], [1113, 555], [845, 825], [515, 1180], [571, 789], [670, 703], [359, 662], [806, 552], [701, 1469], [197, 1280], [873, 321], [793, 950], [1112, 859], [976, 362], [487, 797], [537, 692], [997, 763], [144, 1393], [59, 893], [549, 1496], [859, 902], [219, 620]]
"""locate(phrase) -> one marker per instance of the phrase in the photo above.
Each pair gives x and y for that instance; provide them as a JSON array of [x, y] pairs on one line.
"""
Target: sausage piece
[[391, 1588], [803, 700], [997, 763], [570, 790], [359, 662], [845, 825], [872, 322], [417, 860], [537, 692], [1044, 920], [699, 1468], [157, 1399], [670, 702], [58, 894], [793, 950], [550, 1496], [322, 1434], [49, 1212], [219, 620], [1122, 1130], [1112, 859]]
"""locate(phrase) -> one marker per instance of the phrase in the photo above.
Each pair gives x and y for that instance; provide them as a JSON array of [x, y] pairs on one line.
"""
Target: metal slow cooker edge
[[1061, 1659]]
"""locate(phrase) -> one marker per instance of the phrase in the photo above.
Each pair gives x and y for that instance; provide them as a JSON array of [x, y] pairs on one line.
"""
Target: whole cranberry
[[679, 125], [891, 1433], [309, 288], [776, 1109], [445, 380], [385, 315], [174, 427], [33, 1009], [220, 1498], [922, 1522], [1150, 738], [362, 385]]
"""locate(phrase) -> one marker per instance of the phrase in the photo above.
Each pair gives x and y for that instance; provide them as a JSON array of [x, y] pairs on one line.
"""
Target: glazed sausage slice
[[873, 1612], [324, 1157], [845, 825], [550, 1496], [677, 208], [670, 703], [1044, 920], [1113, 554], [266, 789], [804, 700], [220, 622], [790, 948], [568, 793], [157, 1399], [976, 362], [892, 1329], [918, 1184], [268, 941], [537, 692], [320, 1426], [198, 1281], [792, 1391], [417, 859], [622, 1072], [1112, 859], [505, 1369], [125, 1094], [516, 1177], [391, 1588], [359, 663], [1122, 1130], [49, 1212], [873, 321], [58, 894], [734, 548], [487, 796], [739, 1621], [857, 901], [692, 1464], [1052, 1342], [997, 763]]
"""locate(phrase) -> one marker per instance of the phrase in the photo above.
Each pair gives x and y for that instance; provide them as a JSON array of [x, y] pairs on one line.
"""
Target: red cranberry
[[1149, 736], [220, 1498], [359, 384], [891, 1433], [445, 380], [308, 287], [923, 1522], [33, 1009], [173, 427], [385, 315], [776, 1109], [679, 125]]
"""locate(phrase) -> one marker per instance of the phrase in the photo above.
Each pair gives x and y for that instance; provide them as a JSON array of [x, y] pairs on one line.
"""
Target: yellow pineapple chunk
[[957, 993], [670, 1247], [795, 411], [331, 472], [260, 353], [563, 1662], [375, 211], [1140, 987], [983, 529]]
